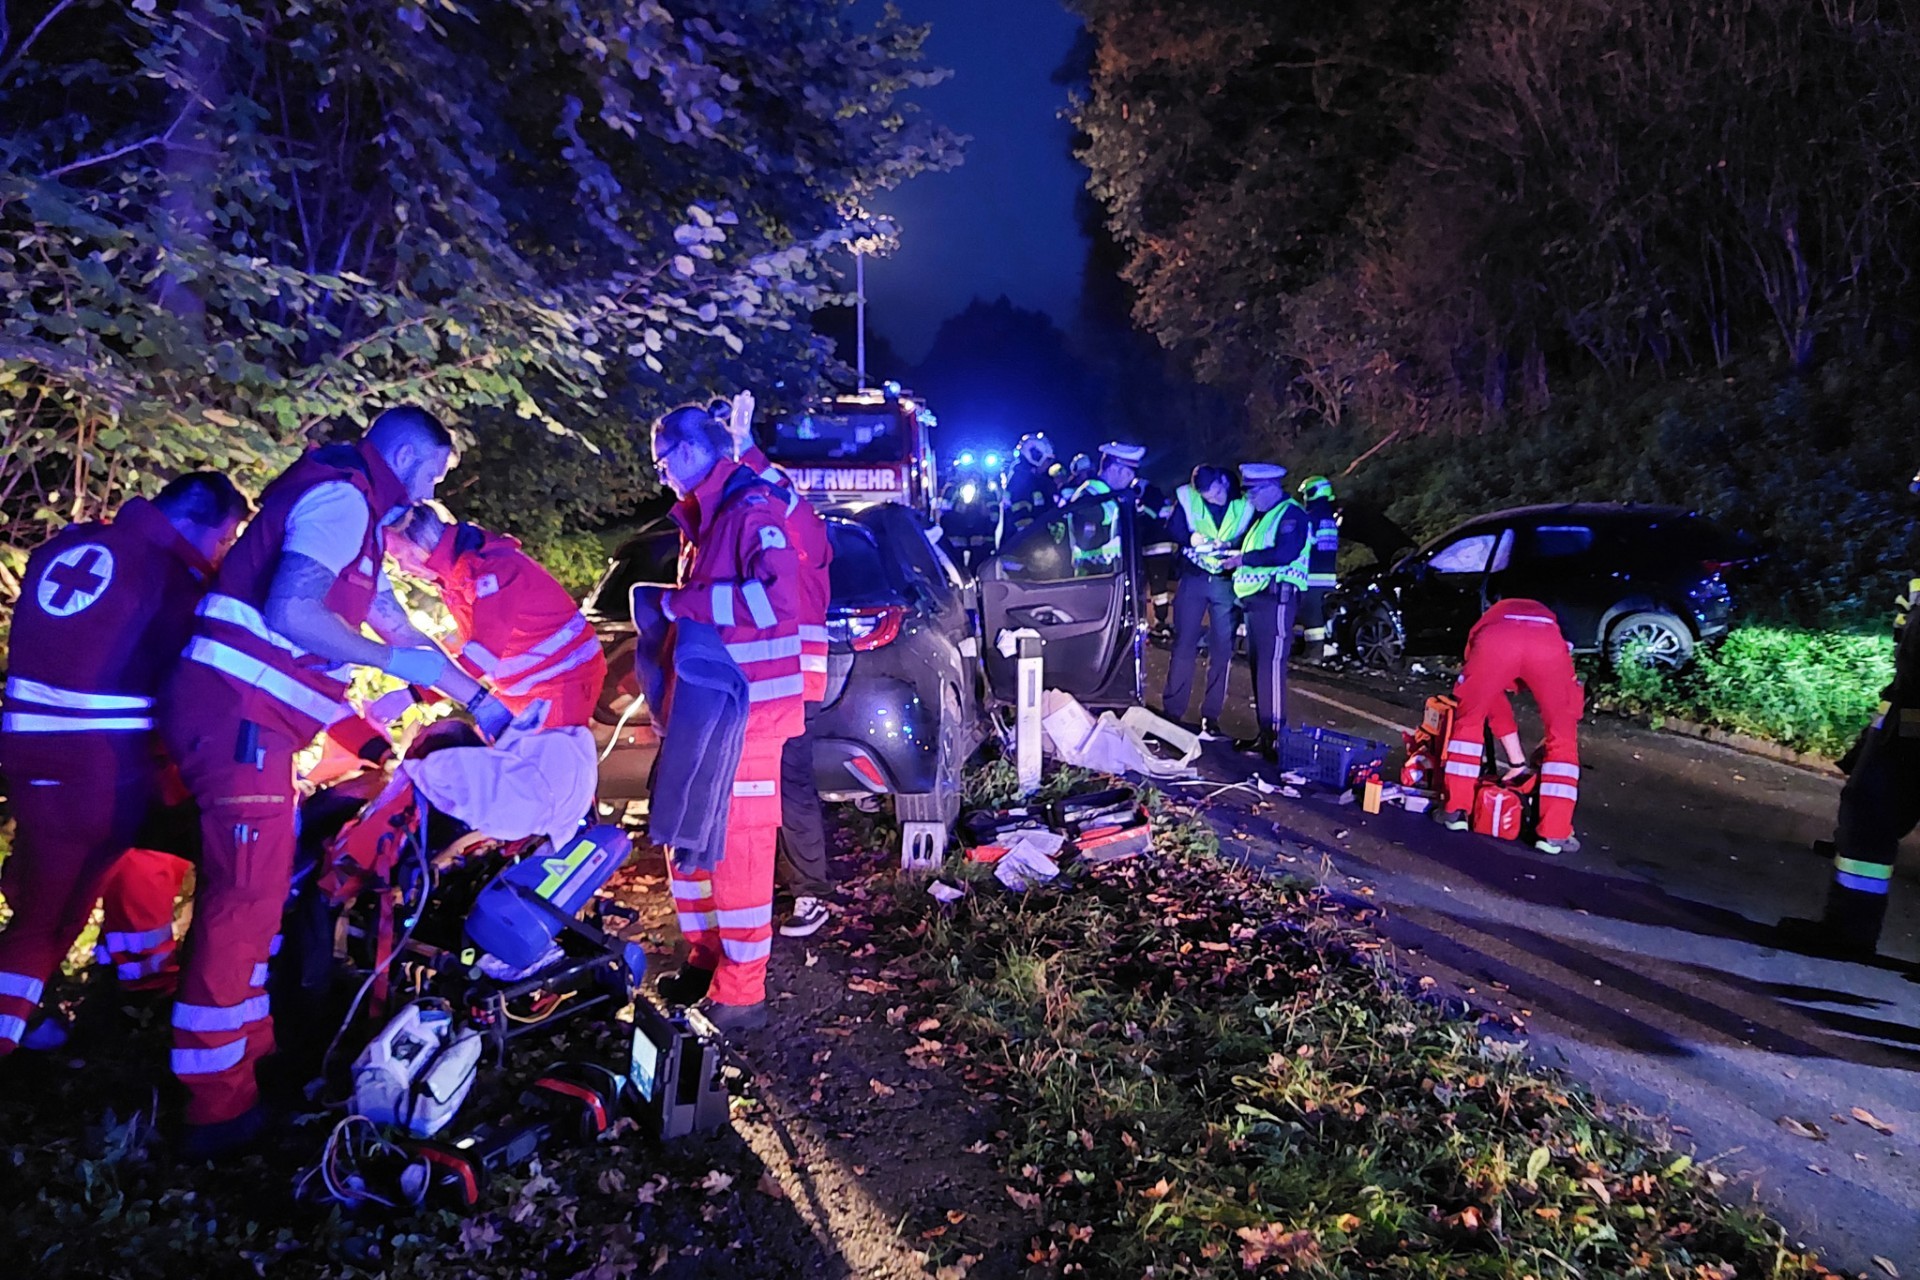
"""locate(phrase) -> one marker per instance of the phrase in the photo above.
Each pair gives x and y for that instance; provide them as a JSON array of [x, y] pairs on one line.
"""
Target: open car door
[[1086, 607]]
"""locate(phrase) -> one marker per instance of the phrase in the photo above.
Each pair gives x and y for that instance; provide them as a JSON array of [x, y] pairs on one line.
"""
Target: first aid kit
[[519, 915], [1498, 811]]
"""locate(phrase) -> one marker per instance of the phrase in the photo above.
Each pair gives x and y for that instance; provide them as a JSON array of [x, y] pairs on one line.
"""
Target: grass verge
[[1209, 1077], [1809, 690]]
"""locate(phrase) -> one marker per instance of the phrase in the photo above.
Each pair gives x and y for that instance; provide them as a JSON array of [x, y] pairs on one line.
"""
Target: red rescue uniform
[[241, 704], [1518, 643], [102, 614], [515, 627], [809, 534], [740, 570]]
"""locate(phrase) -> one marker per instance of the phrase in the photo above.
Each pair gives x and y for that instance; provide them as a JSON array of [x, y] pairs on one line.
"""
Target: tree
[[225, 227], [997, 371]]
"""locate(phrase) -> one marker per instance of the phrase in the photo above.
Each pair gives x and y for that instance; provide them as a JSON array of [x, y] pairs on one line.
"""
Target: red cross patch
[[77, 577]]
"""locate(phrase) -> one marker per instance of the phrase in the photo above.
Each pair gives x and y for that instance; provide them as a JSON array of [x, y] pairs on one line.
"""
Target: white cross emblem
[[77, 577]]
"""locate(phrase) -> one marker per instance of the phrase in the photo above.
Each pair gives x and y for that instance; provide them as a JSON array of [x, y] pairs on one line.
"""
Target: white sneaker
[[808, 915]]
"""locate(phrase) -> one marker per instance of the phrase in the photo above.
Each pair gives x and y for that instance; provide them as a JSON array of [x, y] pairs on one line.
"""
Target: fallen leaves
[[1887, 1266], [1870, 1120], [1028, 1200], [1274, 1243], [1801, 1129], [716, 1182], [882, 1088]]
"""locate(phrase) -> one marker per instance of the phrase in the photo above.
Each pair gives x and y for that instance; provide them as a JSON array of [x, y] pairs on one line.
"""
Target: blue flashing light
[[966, 459], [993, 459]]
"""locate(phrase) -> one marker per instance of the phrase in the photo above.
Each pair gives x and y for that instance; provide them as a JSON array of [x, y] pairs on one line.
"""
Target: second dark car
[[1623, 579]]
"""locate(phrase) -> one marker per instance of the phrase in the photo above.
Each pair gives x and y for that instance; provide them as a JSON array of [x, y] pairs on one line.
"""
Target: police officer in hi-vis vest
[[1269, 574], [1206, 526]]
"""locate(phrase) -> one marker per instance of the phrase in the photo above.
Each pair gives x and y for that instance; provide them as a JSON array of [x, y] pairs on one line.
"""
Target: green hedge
[[1810, 690]]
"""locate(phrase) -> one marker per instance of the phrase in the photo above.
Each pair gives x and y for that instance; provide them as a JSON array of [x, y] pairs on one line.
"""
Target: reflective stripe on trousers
[[727, 914]]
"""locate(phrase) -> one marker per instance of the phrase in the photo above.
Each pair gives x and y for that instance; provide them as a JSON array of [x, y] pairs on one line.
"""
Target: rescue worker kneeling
[[741, 574], [1517, 643]]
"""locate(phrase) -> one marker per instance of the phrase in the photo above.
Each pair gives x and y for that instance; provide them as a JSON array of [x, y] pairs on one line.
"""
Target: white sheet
[[531, 782]]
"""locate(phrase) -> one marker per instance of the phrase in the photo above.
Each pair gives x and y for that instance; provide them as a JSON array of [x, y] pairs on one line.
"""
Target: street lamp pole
[[860, 315]]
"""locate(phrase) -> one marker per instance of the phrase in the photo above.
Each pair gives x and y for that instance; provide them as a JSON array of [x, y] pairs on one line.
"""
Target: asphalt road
[[1647, 963]]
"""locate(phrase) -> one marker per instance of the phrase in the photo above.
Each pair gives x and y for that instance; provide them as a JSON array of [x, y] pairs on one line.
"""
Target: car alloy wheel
[[1376, 639], [1653, 639]]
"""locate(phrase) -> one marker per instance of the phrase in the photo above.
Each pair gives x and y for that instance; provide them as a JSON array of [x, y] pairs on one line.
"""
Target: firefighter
[[1269, 573], [1879, 804], [800, 864], [265, 669], [741, 573], [967, 518], [1031, 492], [1323, 525], [1158, 550], [1096, 532], [1079, 471], [103, 611], [515, 628], [1206, 525], [1517, 643]]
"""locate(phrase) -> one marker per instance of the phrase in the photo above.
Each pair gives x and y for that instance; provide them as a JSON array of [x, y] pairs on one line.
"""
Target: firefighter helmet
[[1035, 449], [1314, 487], [1081, 468]]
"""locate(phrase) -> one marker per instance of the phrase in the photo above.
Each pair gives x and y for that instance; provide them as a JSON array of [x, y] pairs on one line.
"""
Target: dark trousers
[[802, 861], [1879, 805], [1200, 599], [1313, 624], [1269, 644]]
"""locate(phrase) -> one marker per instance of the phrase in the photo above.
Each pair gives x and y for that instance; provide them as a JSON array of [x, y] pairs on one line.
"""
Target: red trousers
[[221, 1023], [727, 913], [136, 929], [78, 800], [1501, 656]]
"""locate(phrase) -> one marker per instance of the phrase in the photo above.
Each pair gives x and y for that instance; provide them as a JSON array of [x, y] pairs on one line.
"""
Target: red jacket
[[516, 628], [816, 554], [741, 571], [276, 683], [103, 612]]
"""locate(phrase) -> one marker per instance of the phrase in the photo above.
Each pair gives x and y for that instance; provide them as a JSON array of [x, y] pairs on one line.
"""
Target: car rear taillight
[[864, 629], [1717, 566]]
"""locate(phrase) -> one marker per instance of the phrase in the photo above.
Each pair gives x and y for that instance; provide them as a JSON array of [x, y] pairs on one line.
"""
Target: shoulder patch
[[487, 585], [77, 577], [772, 537]]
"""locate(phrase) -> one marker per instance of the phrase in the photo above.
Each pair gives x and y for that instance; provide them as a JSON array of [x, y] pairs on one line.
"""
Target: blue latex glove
[[490, 715], [423, 667]]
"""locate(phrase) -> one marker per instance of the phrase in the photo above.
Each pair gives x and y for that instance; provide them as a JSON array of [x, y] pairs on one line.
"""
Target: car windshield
[[860, 574], [818, 438]]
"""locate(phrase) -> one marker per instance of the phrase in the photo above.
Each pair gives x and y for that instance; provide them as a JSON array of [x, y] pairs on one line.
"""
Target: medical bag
[[1497, 811], [519, 915]]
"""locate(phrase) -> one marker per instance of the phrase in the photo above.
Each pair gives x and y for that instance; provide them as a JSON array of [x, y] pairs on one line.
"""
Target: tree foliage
[[225, 227], [1444, 210]]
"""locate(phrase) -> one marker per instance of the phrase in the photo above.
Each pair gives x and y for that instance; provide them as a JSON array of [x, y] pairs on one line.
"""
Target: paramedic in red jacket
[[516, 630], [1517, 643], [741, 572], [103, 611], [264, 671], [801, 865]]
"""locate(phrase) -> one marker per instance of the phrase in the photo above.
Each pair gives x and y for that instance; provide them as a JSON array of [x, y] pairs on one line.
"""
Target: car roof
[[1591, 511]]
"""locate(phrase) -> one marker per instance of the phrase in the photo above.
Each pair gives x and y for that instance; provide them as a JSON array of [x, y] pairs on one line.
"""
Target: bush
[[1811, 690], [576, 559]]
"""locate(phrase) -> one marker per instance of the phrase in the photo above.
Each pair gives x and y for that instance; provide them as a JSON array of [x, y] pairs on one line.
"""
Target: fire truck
[[867, 446]]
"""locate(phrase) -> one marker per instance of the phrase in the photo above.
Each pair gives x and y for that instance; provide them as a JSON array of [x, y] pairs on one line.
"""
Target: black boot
[[689, 986], [1850, 929]]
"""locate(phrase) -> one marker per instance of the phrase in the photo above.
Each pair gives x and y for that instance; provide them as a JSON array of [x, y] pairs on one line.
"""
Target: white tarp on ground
[[1116, 744]]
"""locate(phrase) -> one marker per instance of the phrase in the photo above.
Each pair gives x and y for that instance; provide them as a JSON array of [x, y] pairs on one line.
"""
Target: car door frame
[[1120, 677]]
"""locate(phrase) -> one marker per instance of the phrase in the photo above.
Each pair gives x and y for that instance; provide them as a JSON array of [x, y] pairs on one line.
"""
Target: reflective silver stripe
[[275, 684], [480, 656], [813, 662], [132, 970], [764, 650], [693, 890], [1317, 581], [754, 788], [723, 605], [213, 1017], [697, 921], [783, 687], [746, 917], [207, 1062], [52, 695], [582, 653], [534, 656], [12, 1029], [1533, 617], [1553, 769], [273, 948], [755, 594], [239, 613], [259, 978], [1559, 791], [1459, 770], [21, 987], [1461, 747], [143, 941], [24, 722], [746, 952], [810, 632]]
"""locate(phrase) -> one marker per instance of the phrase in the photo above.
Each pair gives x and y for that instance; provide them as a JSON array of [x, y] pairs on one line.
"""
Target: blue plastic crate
[[1327, 756]]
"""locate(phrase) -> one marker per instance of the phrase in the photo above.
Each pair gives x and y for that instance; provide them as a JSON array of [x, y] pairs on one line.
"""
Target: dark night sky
[[1004, 221]]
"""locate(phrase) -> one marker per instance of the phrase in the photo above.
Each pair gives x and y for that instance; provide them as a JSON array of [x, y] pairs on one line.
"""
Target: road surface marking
[[1351, 710]]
